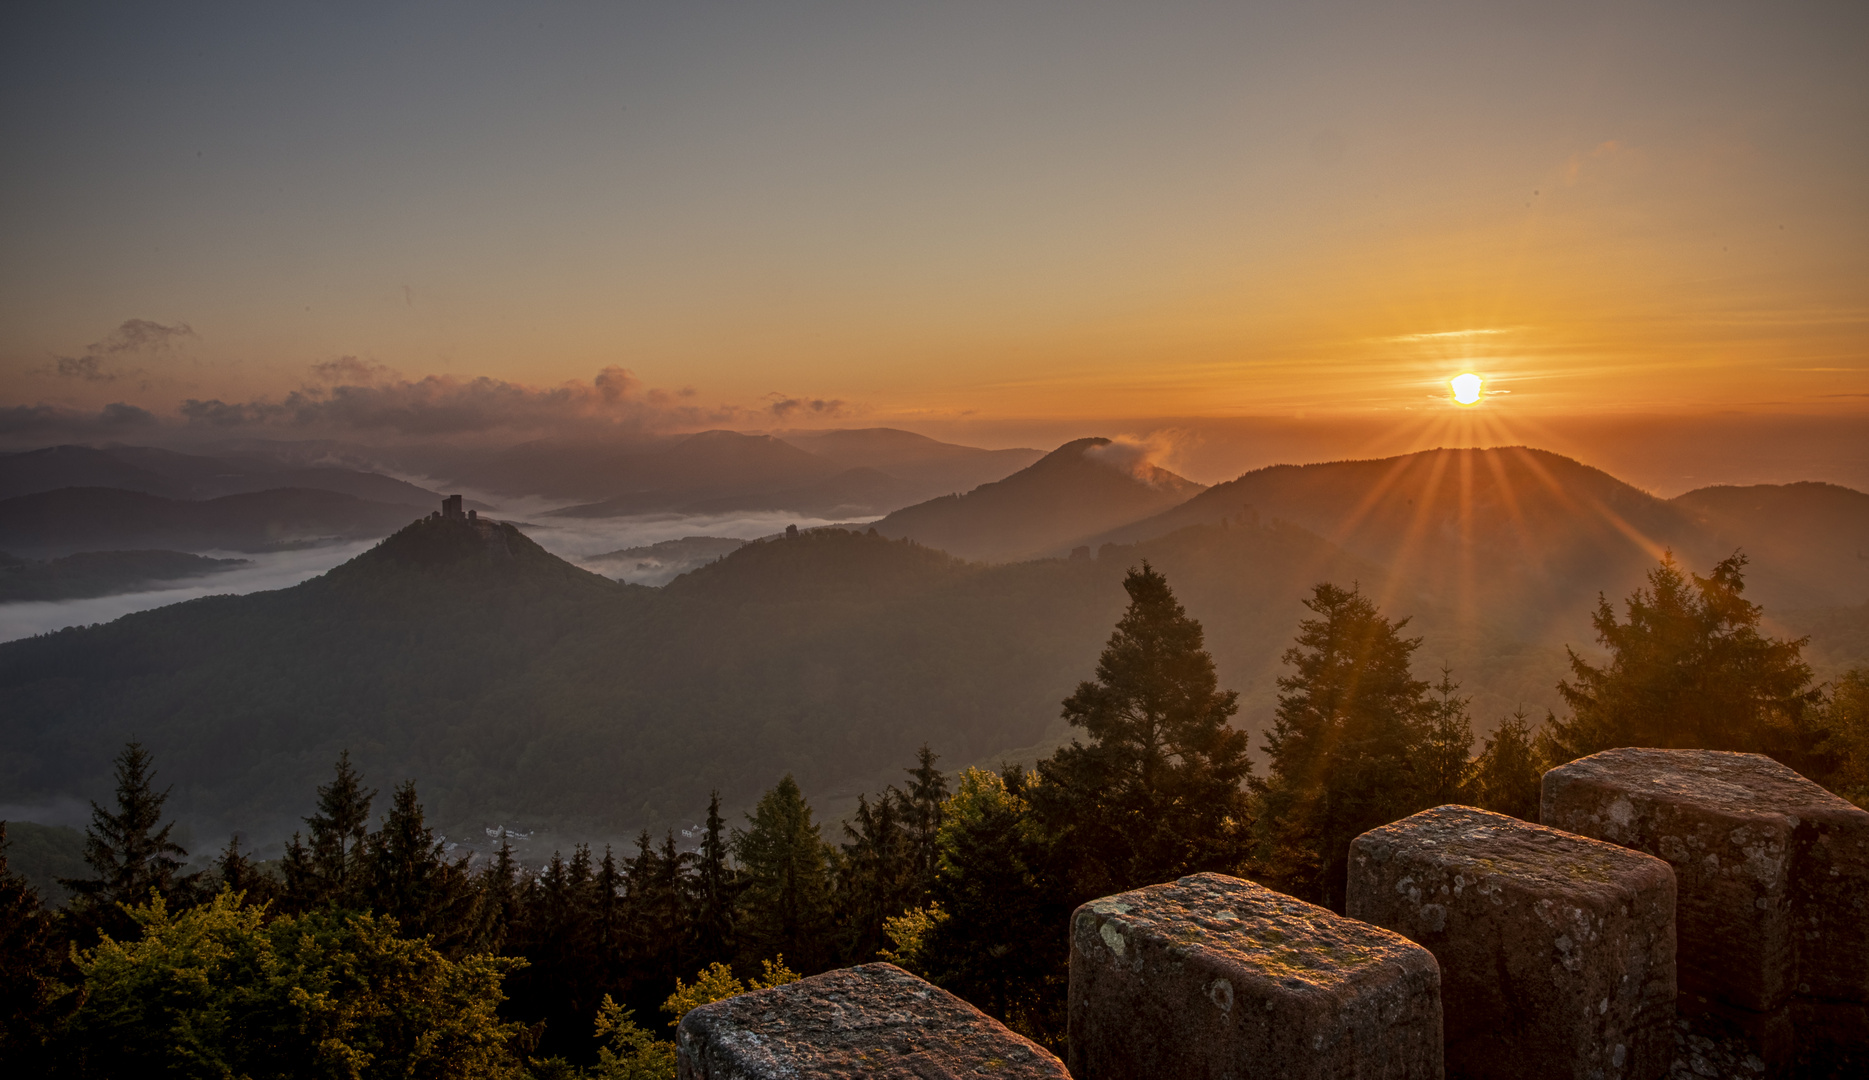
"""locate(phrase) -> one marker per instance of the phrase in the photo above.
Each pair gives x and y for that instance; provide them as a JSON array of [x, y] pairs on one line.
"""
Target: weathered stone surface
[[1772, 873], [870, 1021], [1556, 951], [1216, 977]]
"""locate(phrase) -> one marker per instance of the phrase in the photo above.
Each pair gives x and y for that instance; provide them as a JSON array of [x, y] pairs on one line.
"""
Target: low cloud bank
[[358, 398], [269, 571], [370, 399]]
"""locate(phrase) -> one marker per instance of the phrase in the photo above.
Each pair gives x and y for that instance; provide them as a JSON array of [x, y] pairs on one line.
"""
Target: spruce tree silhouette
[[1687, 669], [1155, 793], [714, 891], [330, 871], [1351, 718], [32, 1000], [130, 855], [1509, 770], [785, 905]]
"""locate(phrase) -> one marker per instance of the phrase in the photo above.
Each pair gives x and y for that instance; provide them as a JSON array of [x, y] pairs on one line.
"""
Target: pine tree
[[562, 982], [1348, 723], [992, 934], [1509, 772], [237, 872], [501, 911], [129, 854], [1155, 793], [714, 892], [876, 874], [610, 932], [926, 796], [409, 878], [32, 999], [786, 898], [330, 869], [1444, 766], [665, 912], [1842, 738], [1687, 669]]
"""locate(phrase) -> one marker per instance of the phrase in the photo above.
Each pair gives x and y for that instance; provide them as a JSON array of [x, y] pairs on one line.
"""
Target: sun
[[1467, 388]]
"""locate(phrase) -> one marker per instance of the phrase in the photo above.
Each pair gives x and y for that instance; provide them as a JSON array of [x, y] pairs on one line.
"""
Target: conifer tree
[[1509, 772], [1842, 738], [1444, 766], [31, 997], [876, 873], [1348, 723], [127, 851], [1689, 669], [562, 983], [409, 878], [609, 922], [1156, 791], [660, 913], [786, 899], [992, 934], [330, 869], [926, 796], [237, 872], [714, 891], [501, 913]]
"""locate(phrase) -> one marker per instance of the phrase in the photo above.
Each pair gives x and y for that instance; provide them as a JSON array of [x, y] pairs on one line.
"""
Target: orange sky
[[936, 217]]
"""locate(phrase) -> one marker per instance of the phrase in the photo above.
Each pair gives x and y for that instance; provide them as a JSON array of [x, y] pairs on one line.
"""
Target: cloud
[[1141, 456], [142, 335], [349, 369], [355, 396], [1451, 335], [785, 408], [89, 367], [135, 337], [54, 422], [119, 414]]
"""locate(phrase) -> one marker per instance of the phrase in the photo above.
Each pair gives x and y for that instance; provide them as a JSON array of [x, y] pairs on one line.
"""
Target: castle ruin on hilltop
[[1679, 913]]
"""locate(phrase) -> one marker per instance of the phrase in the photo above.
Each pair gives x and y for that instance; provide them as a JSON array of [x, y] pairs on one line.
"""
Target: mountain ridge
[[1046, 508]]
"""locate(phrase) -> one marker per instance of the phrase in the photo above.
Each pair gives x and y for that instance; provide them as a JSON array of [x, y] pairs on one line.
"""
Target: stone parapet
[[875, 1020], [1772, 873], [1557, 952], [1212, 976]]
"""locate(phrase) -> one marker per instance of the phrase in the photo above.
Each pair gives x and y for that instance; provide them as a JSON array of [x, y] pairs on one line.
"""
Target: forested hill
[[1513, 528], [1076, 491], [248, 695], [517, 687]]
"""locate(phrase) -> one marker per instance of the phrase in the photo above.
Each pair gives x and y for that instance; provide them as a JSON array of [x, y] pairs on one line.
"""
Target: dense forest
[[366, 951], [521, 688]]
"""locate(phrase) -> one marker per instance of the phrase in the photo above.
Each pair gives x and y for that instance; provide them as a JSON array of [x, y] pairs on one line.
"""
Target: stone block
[[1772, 873], [1214, 977], [1772, 870], [1556, 951], [875, 1020]]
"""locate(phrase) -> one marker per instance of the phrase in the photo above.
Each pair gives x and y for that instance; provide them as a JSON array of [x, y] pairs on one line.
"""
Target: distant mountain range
[[517, 687], [69, 520], [173, 475], [823, 474], [102, 573], [840, 474]]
